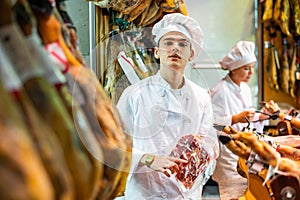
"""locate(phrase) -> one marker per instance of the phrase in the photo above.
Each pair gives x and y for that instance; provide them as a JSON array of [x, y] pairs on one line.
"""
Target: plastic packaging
[[190, 175]]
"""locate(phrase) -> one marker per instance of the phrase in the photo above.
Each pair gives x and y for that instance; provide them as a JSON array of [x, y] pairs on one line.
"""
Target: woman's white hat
[[183, 24], [239, 55]]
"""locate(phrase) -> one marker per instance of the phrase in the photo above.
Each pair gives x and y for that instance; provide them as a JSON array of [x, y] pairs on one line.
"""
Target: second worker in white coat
[[232, 102]]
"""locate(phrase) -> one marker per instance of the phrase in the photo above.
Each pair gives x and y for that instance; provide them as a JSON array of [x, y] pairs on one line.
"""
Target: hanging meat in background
[[53, 113], [69, 30], [182, 8], [50, 150], [80, 120], [111, 130], [168, 5], [103, 117], [295, 16], [292, 72], [273, 67], [271, 62], [76, 114], [45, 141], [126, 6], [284, 67], [130, 18], [154, 13], [284, 18], [297, 63], [138, 11], [284, 15], [22, 173], [294, 25], [136, 45], [131, 53], [268, 10], [276, 10], [149, 8], [270, 58], [115, 81], [50, 108], [133, 50]]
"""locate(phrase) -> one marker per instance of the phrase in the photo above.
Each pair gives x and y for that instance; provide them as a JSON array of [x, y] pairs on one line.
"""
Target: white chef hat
[[239, 55], [183, 24]]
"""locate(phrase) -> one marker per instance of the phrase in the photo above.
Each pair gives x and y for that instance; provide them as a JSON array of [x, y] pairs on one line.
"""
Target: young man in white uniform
[[161, 109]]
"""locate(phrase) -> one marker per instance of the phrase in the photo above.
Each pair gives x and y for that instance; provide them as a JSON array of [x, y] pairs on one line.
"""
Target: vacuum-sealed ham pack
[[189, 175]]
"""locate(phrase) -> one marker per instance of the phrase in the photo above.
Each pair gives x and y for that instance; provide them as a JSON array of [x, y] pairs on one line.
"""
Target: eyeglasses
[[168, 43]]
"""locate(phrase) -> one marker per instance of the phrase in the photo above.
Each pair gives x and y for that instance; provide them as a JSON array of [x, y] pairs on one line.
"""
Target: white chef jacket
[[156, 117], [230, 99]]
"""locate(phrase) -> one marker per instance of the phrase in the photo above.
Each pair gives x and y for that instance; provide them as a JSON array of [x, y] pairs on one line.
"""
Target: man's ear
[[156, 52], [192, 55]]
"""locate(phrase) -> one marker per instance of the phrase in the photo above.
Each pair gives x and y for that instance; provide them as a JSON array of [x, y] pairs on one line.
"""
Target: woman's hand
[[270, 107], [241, 117]]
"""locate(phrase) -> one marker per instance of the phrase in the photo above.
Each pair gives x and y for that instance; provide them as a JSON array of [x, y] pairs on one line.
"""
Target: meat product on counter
[[189, 148]]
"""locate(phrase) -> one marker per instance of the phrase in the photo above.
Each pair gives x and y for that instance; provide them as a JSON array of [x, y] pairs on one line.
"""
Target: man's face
[[174, 50]]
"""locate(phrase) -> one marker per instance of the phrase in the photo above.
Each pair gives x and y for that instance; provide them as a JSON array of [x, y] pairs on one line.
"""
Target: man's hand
[[164, 163]]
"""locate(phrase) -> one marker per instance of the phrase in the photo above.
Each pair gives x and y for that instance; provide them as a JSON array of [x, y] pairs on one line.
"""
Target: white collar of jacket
[[232, 85], [165, 92], [165, 86]]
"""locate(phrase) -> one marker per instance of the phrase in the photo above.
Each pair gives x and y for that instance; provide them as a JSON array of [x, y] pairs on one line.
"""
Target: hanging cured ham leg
[[51, 109], [22, 173], [56, 78], [292, 71], [297, 74], [284, 68], [272, 64], [104, 118], [45, 141], [110, 129], [19, 160]]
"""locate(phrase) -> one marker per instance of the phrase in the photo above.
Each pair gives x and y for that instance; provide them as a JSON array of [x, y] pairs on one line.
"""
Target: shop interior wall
[[79, 12], [223, 22]]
